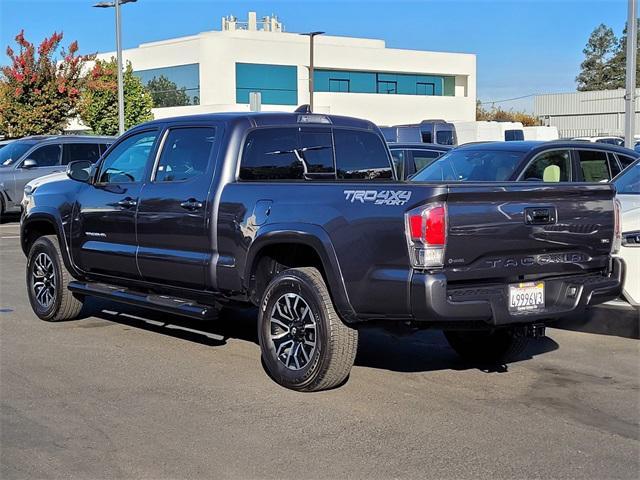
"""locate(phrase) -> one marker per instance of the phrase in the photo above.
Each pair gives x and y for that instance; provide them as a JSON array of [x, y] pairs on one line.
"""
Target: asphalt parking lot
[[126, 393]]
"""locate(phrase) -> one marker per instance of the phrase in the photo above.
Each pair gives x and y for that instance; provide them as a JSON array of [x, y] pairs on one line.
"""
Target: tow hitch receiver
[[535, 330]]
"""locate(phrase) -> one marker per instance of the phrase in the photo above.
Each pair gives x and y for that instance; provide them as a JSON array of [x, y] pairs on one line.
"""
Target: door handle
[[539, 215], [127, 203], [191, 204]]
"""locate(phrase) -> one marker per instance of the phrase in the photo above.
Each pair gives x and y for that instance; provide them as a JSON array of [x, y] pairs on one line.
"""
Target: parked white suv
[[627, 186]]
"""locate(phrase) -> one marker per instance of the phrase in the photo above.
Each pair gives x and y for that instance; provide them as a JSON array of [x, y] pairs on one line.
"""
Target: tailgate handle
[[539, 215]]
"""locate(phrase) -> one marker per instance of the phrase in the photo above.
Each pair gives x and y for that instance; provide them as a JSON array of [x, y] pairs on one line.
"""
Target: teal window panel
[[274, 77], [362, 82], [339, 85], [321, 80], [384, 82], [406, 84], [277, 84], [388, 77], [450, 86]]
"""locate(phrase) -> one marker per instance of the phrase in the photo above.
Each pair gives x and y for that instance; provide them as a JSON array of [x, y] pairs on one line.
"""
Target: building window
[[338, 85], [425, 88], [172, 86], [383, 83], [277, 84], [385, 86]]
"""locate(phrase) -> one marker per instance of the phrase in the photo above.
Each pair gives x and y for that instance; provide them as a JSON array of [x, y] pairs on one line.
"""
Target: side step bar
[[163, 303]]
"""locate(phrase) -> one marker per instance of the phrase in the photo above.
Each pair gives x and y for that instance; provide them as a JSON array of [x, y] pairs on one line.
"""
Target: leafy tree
[[596, 69], [39, 94], [619, 62], [99, 104], [497, 114], [166, 93]]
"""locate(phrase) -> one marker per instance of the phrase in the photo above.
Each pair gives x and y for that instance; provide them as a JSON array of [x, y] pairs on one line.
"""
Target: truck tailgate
[[521, 231]]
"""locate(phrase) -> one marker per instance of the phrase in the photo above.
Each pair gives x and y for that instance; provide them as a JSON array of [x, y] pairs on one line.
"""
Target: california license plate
[[526, 297]]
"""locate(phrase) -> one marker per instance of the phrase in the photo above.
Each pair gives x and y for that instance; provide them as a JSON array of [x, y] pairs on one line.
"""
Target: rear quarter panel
[[368, 237]]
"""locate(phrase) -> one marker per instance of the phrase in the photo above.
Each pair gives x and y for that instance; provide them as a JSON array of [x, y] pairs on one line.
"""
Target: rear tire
[[47, 282], [305, 346], [498, 346]]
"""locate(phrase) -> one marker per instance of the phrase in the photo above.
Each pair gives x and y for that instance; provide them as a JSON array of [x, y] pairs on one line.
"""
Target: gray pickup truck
[[300, 215]]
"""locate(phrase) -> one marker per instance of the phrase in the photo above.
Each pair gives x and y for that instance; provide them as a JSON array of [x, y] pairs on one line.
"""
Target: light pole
[[116, 4], [630, 96], [311, 36]]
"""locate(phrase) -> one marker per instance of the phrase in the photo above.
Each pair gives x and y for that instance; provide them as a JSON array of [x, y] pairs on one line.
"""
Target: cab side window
[[185, 154], [270, 154], [47, 156], [551, 166], [283, 153], [594, 166], [127, 162], [361, 155]]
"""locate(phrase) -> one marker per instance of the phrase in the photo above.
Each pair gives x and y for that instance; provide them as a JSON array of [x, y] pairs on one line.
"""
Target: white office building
[[219, 70]]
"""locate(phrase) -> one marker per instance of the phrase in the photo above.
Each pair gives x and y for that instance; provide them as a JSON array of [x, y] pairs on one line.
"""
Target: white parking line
[[14, 236]]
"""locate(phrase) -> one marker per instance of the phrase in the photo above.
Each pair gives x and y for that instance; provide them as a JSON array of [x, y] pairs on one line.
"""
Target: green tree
[[39, 92], [99, 104], [619, 62], [596, 69], [166, 93]]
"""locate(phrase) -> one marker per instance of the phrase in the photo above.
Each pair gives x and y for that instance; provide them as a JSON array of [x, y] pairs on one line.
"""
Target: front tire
[[305, 346], [47, 282], [498, 346]]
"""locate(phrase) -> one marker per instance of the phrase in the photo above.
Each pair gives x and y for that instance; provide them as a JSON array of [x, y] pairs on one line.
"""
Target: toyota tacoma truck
[[300, 215]]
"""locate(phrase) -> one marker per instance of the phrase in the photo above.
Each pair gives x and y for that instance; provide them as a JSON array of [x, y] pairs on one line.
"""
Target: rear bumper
[[433, 301]]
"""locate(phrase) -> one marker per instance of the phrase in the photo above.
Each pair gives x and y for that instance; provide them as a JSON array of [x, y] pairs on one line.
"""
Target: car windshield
[[471, 165], [12, 152]]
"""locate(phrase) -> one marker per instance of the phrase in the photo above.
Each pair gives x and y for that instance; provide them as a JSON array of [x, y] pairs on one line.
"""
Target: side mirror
[[29, 163], [80, 170]]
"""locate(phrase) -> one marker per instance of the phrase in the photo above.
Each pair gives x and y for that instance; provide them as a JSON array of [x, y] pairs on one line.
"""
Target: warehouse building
[[218, 71], [585, 113]]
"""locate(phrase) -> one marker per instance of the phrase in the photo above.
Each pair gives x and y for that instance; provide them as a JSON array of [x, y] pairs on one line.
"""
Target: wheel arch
[[38, 224], [295, 245]]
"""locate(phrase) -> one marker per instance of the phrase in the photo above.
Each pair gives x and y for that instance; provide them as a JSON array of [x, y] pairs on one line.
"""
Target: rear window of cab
[[307, 153]]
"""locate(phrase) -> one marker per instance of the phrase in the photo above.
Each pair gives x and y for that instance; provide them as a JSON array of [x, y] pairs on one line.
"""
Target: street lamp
[[116, 4], [311, 35], [630, 97]]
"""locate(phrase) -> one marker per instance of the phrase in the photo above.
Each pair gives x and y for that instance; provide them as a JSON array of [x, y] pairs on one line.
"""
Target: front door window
[[127, 162]]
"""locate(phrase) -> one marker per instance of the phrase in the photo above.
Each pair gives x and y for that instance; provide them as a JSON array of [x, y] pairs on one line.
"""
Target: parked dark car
[[32, 157], [301, 216], [408, 158], [557, 161]]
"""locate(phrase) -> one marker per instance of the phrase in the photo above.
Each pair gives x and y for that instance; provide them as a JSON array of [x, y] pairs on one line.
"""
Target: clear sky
[[523, 46]]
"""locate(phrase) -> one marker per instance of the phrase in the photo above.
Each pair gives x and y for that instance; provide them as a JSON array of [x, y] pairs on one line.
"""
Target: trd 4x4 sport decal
[[382, 197]]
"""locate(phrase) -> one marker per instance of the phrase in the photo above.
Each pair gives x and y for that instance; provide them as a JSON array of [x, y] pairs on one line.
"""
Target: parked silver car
[[31, 157]]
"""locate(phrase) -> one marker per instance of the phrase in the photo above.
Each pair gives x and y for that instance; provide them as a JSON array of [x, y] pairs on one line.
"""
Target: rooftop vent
[[270, 23]]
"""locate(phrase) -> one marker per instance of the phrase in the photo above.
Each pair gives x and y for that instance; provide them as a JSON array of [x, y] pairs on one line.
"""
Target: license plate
[[526, 297]]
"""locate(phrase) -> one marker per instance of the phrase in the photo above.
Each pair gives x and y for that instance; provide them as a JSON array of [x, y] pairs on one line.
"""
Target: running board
[[163, 303]]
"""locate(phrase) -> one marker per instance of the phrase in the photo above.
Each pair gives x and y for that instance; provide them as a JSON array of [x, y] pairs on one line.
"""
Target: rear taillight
[[427, 235], [617, 227]]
